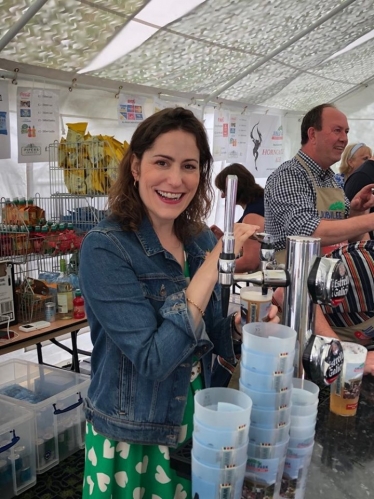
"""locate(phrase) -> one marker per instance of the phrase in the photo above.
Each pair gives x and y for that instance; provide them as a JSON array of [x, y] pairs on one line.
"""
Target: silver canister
[[50, 311]]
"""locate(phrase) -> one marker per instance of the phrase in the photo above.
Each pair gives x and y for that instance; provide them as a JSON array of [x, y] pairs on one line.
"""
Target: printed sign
[[238, 138], [37, 123], [221, 134], [130, 109], [265, 144]]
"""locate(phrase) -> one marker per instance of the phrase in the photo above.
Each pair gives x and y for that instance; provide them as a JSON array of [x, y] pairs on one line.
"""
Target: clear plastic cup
[[267, 399], [269, 338], [295, 472], [219, 458], [303, 410], [308, 393], [271, 436], [216, 439], [266, 451], [299, 452], [275, 382], [265, 363], [270, 418], [345, 391], [263, 477], [208, 481], [223, 408], [302, 432], [304, 421], [301, 442]]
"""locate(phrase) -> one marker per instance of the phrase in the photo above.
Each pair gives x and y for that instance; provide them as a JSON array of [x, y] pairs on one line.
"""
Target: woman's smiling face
[[168, 176]]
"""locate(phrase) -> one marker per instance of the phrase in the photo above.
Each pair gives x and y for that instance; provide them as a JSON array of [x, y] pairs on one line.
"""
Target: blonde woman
[[353, 157]]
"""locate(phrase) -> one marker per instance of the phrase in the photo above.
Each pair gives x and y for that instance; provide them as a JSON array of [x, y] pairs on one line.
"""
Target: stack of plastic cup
[[300, 447], [266, 373], [220, 442]]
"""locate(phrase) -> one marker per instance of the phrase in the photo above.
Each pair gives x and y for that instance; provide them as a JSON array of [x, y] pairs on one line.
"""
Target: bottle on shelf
[[78, 304], [64, 292]]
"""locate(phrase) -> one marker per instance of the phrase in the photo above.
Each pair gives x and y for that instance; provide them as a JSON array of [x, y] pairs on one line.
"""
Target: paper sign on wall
[[238, 138], [220, 134], [37, 123], [4, 122], [130, 109], [265, 144]]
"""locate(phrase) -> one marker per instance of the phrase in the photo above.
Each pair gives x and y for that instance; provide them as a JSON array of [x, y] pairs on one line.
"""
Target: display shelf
[[36, 233]]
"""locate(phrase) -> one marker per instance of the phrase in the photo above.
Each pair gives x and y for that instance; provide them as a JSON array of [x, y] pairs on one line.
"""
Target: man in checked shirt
[[301, 196]]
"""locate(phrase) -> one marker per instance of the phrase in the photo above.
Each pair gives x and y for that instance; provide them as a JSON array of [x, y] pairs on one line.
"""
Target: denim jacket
[[143, 336]]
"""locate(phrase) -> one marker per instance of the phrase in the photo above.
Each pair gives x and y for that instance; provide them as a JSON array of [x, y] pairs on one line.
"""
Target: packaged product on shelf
[[76, 132], [74, 179], [90, 163], [95, 182], [31, 213]]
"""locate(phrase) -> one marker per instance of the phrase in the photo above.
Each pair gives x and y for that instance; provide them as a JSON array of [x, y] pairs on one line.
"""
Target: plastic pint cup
[[345, 391], [254, 306]]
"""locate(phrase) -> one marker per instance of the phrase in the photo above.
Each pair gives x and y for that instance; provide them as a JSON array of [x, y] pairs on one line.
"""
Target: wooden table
[[57, 328]]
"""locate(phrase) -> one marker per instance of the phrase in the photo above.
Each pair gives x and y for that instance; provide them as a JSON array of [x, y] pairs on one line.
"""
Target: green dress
[[119, 470]]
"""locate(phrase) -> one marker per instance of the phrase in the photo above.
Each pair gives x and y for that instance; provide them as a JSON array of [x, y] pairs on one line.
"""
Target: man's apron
[[330, 206]]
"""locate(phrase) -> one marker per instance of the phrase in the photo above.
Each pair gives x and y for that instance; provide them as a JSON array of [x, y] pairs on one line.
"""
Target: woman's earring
[[135, 184]]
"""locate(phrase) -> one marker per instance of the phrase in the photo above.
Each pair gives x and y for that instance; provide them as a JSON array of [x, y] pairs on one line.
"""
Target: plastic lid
[[44, 228], [78, 292], [30, 201]]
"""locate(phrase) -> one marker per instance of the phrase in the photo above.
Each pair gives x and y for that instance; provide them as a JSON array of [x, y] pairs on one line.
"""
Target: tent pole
[[24, 19], [275, 52]]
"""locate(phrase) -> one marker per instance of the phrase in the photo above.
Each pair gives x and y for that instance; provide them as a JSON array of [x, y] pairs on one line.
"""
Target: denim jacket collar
[[151, 243]]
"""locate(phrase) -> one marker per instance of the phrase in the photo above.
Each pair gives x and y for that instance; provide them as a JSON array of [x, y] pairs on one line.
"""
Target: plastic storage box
[[17, 450], [55, 396]]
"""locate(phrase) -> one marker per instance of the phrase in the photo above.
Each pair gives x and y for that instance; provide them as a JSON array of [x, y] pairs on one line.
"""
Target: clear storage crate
[[56, 398], [17, 450]]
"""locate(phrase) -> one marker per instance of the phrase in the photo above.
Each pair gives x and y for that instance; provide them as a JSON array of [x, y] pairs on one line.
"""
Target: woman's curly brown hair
[[124, 201], [248, 191]]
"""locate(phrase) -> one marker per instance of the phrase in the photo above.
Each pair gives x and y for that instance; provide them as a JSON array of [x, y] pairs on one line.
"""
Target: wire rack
[[80, 175]]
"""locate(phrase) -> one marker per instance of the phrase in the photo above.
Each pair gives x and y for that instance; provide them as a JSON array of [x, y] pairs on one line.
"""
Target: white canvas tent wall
[[261, 56]]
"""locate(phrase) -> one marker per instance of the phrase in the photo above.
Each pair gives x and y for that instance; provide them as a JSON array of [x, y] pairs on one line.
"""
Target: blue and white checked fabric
[[290, 199]]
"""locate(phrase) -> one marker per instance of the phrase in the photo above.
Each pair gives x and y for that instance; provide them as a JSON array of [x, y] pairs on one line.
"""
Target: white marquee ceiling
[[258, 52]]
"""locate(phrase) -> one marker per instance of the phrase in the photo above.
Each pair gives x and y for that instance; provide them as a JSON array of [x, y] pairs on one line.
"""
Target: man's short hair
[[313, 118]]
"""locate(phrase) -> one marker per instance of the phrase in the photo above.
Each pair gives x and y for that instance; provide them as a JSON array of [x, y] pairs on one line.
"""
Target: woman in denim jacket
[[149, 278]]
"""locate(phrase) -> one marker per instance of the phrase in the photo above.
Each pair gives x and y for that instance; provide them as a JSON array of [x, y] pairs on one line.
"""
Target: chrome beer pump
[[226, 262], [270, 275], [308, 280]]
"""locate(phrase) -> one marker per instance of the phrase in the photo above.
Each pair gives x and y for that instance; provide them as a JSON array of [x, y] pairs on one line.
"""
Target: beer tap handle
[[226, 262]]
